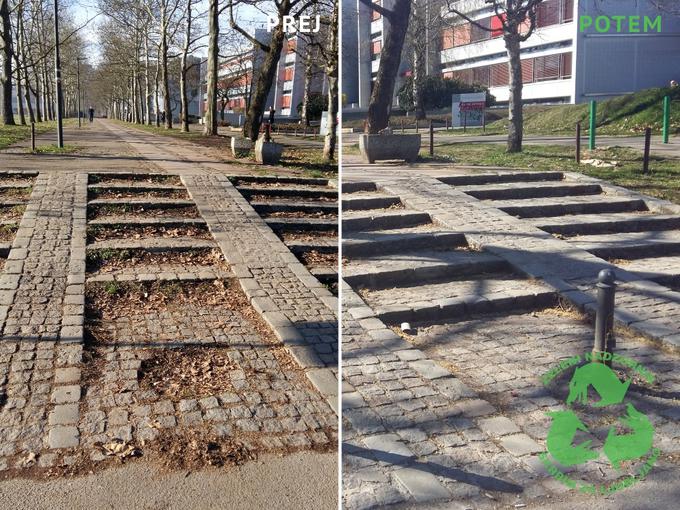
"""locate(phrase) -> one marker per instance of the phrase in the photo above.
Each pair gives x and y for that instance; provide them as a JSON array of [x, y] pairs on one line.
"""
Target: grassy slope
[[622, 115], [9, 135]]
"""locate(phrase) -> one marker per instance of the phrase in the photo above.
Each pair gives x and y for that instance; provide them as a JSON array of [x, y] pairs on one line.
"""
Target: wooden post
[[484, 120], [416, 125], [32, 136], [446, 123], [465, 121], [648, 144], [402, 126], [578, 143], [431, 139]]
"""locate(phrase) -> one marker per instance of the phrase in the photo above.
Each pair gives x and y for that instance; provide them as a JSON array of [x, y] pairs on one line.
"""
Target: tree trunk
[[183, 74], [20, 95], [156, 105], [147, 82], [304, 113], [265, 79], [419, 48], [332, 73], [166, 78], [210, 117], [512, 44], [6, 70], [390, 59]]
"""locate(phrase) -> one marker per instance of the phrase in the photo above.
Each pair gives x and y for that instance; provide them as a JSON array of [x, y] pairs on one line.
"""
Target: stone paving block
[[63, 437], [388, 448], [66, 375], [65, 414], [520, 444], [477, 407], [498, 426], [429, 369], [421, 484], [65, 394]]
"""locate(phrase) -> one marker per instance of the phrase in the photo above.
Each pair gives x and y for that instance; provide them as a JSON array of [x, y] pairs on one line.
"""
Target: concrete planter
[[240, 146], [267, 153], [389, 146]]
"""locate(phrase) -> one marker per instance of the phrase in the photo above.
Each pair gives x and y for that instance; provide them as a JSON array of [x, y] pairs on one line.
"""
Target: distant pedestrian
[[91, 112], [272, 112], [163, 117]]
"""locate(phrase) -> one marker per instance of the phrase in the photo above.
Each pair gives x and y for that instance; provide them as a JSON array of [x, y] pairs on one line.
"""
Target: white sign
[[468, 109]]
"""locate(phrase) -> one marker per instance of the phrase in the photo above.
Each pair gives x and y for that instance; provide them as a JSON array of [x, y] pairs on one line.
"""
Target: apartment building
[[561, 61], [238, 77]]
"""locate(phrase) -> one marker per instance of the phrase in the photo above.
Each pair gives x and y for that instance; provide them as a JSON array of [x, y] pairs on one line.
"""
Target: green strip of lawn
[[9, 135]]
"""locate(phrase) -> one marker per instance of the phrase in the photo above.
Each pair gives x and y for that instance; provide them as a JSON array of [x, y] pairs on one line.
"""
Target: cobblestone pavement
[[453, 414], [157, 316]]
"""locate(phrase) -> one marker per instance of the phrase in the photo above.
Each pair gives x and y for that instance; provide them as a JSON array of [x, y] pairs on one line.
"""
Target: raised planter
[[267, 152], [389, 146], [241, 146]]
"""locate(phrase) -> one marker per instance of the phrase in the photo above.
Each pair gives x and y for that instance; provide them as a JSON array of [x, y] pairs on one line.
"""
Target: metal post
[[604, 321], [431, 139], [484, 121], [648, 144], [446, 123], [666, 117], [578, 143], [79, 121], [417, 126], [57, 70], [593, 115], [465, 122], [33, 136], [402, 126]]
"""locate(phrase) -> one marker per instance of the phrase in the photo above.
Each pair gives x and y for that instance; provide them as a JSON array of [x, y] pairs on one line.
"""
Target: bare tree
[[210, 115], [7, 56], [518, 21]]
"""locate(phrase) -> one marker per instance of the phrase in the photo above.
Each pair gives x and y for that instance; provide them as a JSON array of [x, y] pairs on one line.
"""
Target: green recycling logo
[[617, 447]]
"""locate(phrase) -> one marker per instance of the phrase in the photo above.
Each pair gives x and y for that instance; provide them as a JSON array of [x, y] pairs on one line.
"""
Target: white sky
[[84, 10]]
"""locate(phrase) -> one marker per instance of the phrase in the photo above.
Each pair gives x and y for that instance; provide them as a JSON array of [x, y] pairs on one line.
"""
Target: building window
[[497, 26], [291, 46], [547, 68], [375, 15], [500, 75], [567, 11], [376, 47], [288, 74], [565, 65], [462, 34], [528, 70], [285, 101]]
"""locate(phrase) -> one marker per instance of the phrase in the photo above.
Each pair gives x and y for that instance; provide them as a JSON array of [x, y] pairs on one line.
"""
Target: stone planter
[[389, 146], [267, 153], [240, 146]]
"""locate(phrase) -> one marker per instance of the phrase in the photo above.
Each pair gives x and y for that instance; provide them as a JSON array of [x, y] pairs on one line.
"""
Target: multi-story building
[[238, 76], [561, 62]]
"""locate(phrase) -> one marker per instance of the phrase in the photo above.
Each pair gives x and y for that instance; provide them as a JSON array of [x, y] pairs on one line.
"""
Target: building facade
[[561, 61]]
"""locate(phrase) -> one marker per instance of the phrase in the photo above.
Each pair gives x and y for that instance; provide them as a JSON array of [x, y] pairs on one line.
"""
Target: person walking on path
[[91, 112]]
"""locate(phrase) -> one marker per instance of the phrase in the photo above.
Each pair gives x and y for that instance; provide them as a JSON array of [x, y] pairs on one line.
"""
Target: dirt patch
[[301, 214], [15, 193], [172, 180], [108, 194], [189, 372], [314, 258], [130, 211], [273, 198], [11, 212], [106, 261], [288, 237], [7, 232], [103, 233]]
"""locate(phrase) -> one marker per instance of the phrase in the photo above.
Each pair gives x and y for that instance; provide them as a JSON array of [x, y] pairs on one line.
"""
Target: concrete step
[[367, 201], [165, 272], [384, 242], [470, 180], [630, 245], [546, 207], [384, 220], [455, 300], [524, 191], [15, 185], [589, 224], [288, 191], [356, 186], [275, 179], [6, 204], [321, 244], [293, 206], [663, 270], [302, 224], [153, 244], [324, 273], [414, 268], [111, 221]]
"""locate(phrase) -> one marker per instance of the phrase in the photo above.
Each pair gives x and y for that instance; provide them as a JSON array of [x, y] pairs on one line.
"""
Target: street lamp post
[[57, 68]]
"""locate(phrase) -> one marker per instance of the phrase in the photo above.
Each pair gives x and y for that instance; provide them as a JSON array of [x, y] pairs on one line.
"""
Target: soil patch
[[103, 233]]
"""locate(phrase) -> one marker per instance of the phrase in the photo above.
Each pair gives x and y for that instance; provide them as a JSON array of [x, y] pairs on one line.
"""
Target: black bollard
[[604, 321]]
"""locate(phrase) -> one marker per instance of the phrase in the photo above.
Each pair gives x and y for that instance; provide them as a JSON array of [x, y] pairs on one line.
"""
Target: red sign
[[477, 105]]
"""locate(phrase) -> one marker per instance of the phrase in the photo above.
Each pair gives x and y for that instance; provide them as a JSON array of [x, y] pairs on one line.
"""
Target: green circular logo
[[618, 447]]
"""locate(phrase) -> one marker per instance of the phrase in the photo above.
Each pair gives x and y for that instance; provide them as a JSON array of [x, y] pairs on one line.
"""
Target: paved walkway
[[92, 365], [453, 413]]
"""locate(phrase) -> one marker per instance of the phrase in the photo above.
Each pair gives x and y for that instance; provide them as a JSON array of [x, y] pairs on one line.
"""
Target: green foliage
[[437, 92], [317, 104]]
